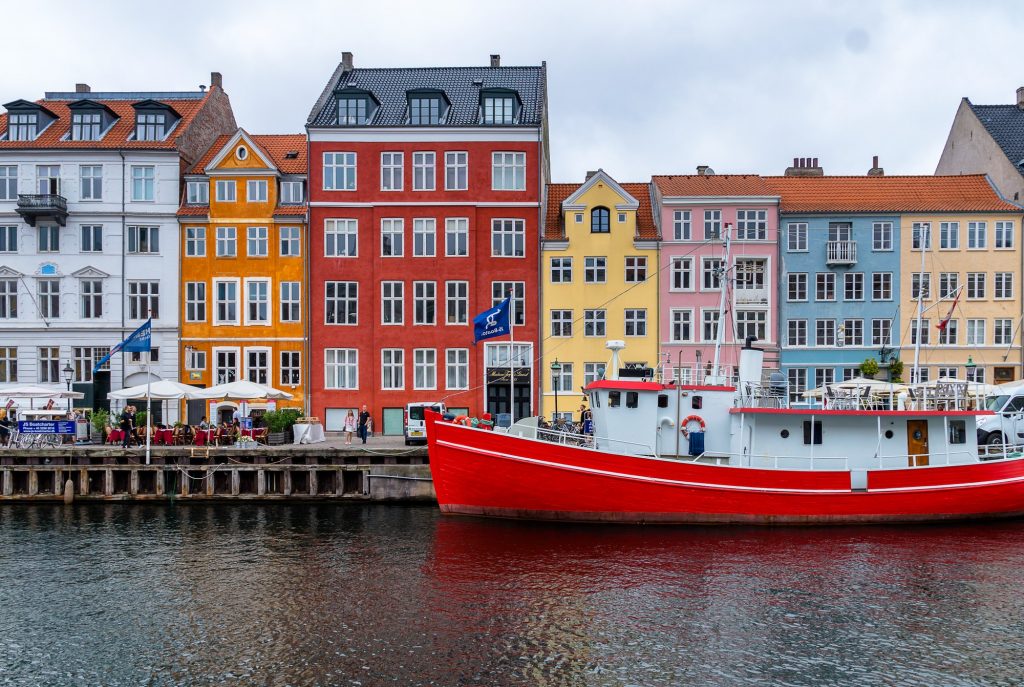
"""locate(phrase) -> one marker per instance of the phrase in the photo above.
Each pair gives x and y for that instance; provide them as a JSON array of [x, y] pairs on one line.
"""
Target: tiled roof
[[461, 85], [557, 193], [967, 193], [299, 210], [1005, 123], [193, 211], [53, 136], [690, 185], [274, 146]]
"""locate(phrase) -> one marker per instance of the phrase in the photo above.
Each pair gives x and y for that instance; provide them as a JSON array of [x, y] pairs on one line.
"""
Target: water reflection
[[325, 594]]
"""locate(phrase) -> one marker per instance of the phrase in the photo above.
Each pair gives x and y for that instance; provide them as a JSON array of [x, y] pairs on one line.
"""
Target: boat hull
[[484, 473]]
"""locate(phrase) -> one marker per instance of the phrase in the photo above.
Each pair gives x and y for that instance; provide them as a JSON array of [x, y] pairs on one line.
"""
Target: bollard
[[69, 492]]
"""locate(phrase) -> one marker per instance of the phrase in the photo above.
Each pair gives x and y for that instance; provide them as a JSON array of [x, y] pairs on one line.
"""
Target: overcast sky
[[637, 88]]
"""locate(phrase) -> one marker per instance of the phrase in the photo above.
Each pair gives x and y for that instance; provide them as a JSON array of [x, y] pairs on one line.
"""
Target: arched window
[[600, 219]]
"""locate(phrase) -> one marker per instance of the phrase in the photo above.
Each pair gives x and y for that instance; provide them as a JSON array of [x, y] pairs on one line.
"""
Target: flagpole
[[512, 356], [924, 238], [149, 398]]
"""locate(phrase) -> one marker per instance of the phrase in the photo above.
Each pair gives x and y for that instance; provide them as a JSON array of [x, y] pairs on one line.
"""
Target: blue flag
[[492, 322], [137, 341]]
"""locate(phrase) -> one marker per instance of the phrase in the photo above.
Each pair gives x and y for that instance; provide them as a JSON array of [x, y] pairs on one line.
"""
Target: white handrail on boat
[[749, 460]]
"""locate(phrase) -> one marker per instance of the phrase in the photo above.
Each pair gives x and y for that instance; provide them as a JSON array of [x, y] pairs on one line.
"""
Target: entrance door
[[498, 400], [394, 419], [917, 442]]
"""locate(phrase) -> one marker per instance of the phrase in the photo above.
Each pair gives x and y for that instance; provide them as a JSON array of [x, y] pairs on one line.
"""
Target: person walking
[[364, 420], [128, 425], [350, 427]]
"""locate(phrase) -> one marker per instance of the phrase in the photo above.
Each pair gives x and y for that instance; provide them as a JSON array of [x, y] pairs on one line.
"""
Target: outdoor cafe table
[[164, 436], [308, 433], [204, 436], [115, 436]]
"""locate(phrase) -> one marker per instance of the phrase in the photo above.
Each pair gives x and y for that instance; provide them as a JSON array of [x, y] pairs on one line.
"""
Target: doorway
[[917, 442], [394, 421]]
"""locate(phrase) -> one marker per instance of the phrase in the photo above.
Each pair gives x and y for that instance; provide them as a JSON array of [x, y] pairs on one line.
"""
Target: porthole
[[242, 152], [888, 434], [784, 434]]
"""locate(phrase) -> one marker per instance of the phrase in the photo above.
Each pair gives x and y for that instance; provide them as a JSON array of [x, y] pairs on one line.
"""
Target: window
[[751, 225], [923, 331], [592, 372], [226, 365], [8, 364], [508, 171], [853, 332], [149, 126], [197, 193], [21, 127], [712, 224], [257, 365], [258, 242], [456, 237], [49, 298], [49, 364], [392, 369], [1004, 234], [456, 171], [881, 332], [392, 170], [457, 302], [796, 334], [508, 238], [499, 109], [1003, 285], [339, 171], [976, 285], [920, 285], [881, 286], [797, 378], [143, 183], [600, 221], [853, 286], [812, 428], [975, 333], [8, 182], [561, 323], [341, 368], [636, 322], [457, 368], [392, 300], [225, 242], [1003, 332], [949, 282], [594, 270], [977, 235], [143, 300], [682, 325], [681, 225], [796, 237], [578, 217], [8, 238], [500, 290], [424, 294], [290, 246], [290, 300], [825, 332], [341, 238], [823, 376], [195, 242], [948, 335], [750, 274], [881, 236], [341, 302], [256, 191], [226, 190], [91, 298], [49, 238], [143, 240], [353, 111], [594, 322], [561, 270], [225, 301], [292, 193], [681, 274], [711, 274], [424, 237], [922, 235], [797, 290], [8, 299], [392, 237], [423, 171], [920, 377], [840, 231], [949, 235], [92, 238], [752, 323], [257, 299], [91, 180], [561, 379], [636, 269], [424, 368], [825, 286], [195, 359], [48, 179], [195, 301], [291, 368]]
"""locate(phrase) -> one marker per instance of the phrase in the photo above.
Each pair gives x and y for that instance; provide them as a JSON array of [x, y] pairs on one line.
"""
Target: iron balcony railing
[[42, 201]]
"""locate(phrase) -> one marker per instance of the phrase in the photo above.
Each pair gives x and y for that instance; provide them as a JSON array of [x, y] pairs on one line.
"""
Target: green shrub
[[99, 419], [869, 368]]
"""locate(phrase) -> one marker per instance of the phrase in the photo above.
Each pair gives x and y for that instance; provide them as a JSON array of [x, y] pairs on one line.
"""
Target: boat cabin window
[[663, 400], [632, 399], [614, 399], [595, 400], [817, 431], [957, 432], [697, 402]]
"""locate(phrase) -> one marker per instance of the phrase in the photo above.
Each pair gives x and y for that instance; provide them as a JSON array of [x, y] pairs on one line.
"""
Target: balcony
[[841, 253], [745, 295], [43, 206]]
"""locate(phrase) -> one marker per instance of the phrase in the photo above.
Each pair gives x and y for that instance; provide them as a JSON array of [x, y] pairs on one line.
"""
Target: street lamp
[[970, 365], [556, 382], [69, 374]]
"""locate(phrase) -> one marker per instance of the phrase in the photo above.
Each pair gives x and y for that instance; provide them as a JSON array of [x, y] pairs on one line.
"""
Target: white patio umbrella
[[160, 390], [243, 390], [31, 391]]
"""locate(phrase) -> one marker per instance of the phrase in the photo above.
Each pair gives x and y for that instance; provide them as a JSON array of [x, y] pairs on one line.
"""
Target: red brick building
[[424, 209]]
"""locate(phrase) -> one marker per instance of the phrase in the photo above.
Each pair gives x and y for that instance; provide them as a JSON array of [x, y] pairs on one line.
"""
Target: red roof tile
[[274, 146], [299, 210], [193, 211], [967, 193], [690, 185], [557, 193]]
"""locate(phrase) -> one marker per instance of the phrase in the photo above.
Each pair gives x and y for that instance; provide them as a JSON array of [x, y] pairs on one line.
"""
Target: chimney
[[1020, 97], [82, 88], [495, 60], [346, 62], [805, 167], [216, 80], [590, 174], [875, 170]]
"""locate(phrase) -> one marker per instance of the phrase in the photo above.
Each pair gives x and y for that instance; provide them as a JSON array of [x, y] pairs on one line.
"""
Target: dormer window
[[22, 127], [425, 110], [499, 107], [85, 126], [150, 126], [600, 221], [353, 111]]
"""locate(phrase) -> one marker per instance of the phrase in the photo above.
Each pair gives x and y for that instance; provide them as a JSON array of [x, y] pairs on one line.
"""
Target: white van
[[415, 427], [1007, 425]]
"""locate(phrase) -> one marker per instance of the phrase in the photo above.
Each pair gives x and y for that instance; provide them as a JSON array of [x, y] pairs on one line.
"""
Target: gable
[[9, 272], [600, 189], [90, 272], [240, 152]]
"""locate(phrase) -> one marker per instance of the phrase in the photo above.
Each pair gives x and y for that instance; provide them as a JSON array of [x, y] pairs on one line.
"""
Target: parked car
[[415, 427], [1007, 425]]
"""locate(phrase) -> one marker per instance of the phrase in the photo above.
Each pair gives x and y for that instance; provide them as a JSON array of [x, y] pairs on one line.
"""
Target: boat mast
[[720, 333], [924, 238]]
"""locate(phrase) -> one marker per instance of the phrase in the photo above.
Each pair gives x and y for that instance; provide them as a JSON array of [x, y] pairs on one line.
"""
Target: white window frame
[[291, 303], [456, 230], [682, 225], [513, 229], [796, 237], [344, 165], [881, 237], [143, 184], [226, 190], [681, 267], [424, 237], [231, 281], [388, 301], [456, 364], [249, 282], [680, 317], [195, 242], [226, 238], [392, 169], [392, 364], [424, 170], [261, 237], [341, 228], [349, 302], [453, 163], [256, 191], [426, 300], [425, 359], [289, 368], [91, 181], [290, 236], [236, 371], [456, 292], [345, 365], [508, 171], [195, 302]]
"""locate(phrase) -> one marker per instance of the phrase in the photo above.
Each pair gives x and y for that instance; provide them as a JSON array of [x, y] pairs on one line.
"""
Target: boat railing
[[880, 462], [696, 373], [946, 396]]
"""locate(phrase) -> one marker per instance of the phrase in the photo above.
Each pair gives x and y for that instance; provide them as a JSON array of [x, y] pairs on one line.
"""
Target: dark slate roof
[[389, 87], [1005, 124]]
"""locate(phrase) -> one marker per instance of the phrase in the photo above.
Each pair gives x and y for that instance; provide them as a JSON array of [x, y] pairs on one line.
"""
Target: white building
[[89, 247]]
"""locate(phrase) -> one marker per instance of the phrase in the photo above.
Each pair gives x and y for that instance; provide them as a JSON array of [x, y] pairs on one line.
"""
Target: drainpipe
[[124, 229], [306, 370]]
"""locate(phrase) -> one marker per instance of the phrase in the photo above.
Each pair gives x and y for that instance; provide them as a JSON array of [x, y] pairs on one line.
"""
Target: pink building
[[694, 211]]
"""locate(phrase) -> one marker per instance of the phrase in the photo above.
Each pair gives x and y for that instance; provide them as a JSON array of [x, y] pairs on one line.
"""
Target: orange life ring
[[461, 420], [688, 420]]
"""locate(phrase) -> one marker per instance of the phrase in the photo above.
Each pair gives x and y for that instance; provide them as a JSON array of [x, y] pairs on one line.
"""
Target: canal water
[[375, 595]]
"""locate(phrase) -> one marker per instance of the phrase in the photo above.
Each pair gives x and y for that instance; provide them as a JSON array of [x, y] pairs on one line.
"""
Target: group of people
[[360, 424], [127, 424], [560, 424]]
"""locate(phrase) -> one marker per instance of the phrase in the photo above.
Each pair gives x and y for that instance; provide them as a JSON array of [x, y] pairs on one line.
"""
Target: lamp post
[[69, 374], [970, 366], [556, 382]]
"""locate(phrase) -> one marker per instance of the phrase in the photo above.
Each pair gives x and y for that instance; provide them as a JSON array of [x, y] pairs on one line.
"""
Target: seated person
[[204, 423]]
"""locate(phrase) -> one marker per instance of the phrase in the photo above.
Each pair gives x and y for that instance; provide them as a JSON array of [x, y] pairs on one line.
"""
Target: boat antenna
[[720, 330]]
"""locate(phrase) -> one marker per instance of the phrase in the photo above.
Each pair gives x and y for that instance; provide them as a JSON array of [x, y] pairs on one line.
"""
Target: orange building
[[243, 266]]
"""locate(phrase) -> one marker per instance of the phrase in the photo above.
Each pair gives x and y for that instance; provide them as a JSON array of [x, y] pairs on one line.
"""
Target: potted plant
[[99, 419], [291, 415], [275, 421], [896, 371], [869, 368]]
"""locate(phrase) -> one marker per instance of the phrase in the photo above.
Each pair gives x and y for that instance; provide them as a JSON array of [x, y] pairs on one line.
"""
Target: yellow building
[[243, 290], [599, 262]]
